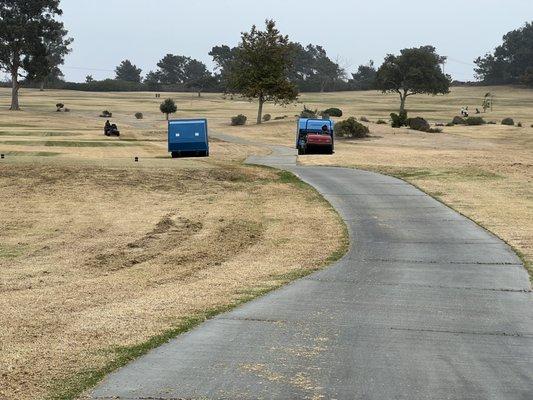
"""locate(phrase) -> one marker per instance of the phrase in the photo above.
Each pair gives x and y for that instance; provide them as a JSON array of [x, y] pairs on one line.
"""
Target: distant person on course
[[107, 126], [325, 130]]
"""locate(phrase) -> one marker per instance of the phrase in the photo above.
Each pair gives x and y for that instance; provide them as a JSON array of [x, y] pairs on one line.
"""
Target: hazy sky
[[353, 32]]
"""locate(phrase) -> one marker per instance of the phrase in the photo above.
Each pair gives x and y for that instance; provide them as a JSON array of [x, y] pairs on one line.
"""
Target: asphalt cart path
[[425, 305]]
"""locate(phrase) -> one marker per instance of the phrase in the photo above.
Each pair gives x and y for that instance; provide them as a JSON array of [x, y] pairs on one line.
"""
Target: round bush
[[139, 115], [239, 120], [508, 121], [333, 112], [267, 117], [381, 122], [350, 128], [458, 121], [418, 124], [475, 121]]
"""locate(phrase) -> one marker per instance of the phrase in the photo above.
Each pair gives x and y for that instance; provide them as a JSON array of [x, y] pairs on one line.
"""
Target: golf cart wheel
[[175, 154]]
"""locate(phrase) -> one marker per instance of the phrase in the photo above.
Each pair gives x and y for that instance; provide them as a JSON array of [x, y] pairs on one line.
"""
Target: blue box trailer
[[188, 137]]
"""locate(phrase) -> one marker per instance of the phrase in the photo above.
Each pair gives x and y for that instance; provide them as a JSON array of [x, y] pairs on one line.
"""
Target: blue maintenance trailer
[[188, 137], [315, 136]]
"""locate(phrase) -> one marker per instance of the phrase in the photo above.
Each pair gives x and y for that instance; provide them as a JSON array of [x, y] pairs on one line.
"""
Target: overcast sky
[[353, 32]]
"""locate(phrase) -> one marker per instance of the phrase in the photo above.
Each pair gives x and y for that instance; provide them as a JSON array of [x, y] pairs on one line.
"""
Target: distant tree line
[[511, 62]]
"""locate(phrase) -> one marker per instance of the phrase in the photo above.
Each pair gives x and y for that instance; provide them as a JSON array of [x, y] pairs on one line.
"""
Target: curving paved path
[[426, 305]]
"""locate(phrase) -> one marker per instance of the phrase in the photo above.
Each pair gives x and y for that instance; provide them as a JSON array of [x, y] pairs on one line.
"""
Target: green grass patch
[[64, 143], [8, 251], [32, 153], [453, 174], [38, 134]]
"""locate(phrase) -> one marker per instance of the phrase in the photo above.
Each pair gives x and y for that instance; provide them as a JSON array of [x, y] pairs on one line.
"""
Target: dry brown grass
[[99, 253]]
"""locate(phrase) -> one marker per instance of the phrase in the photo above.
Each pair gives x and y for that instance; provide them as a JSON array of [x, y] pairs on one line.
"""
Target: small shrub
[[59, 107], [239, 120], [419, 124], [458, 121], [508, 121], [381, 122], [66, 109], [475, 121], [308, 113], [350, 128], [139, 115], [434, 130], [333, 112], [267, 117], [399, 120], [364, 119], [491, 123], [106, 114], [168, 107], [439, 124], [519, 125], [450, 124]]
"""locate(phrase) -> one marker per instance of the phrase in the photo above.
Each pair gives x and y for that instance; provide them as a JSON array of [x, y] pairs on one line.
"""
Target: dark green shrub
[[308, 113], [168, 107], [491, 123], [364, 119], [399, 120], [519, 125], [267, 117], [475, 121], [508, 121], [239, 120], [106, 114], [381, 122], [139, 115], [333, 112], [350, 128], [450, 124], [458, 120], [418, 124]]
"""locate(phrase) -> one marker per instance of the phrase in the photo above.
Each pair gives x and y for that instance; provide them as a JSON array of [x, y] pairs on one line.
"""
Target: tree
[[128, 72], [26, 26], [197, 76], [261, 67], [172, 69], [56, 51], [364, 78], [510, 61], [152, 80], [168, 107], [223, 57], [414, 71], [327, 71], [89, 79]]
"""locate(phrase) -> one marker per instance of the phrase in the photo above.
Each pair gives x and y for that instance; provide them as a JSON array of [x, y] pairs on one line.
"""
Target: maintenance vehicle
[[188, 137], [315, 136]]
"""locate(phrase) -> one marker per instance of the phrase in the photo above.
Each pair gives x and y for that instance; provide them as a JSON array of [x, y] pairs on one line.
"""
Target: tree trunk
[[167, 116], [402, 101], [260, 111], [41, 87], [15, 91]]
